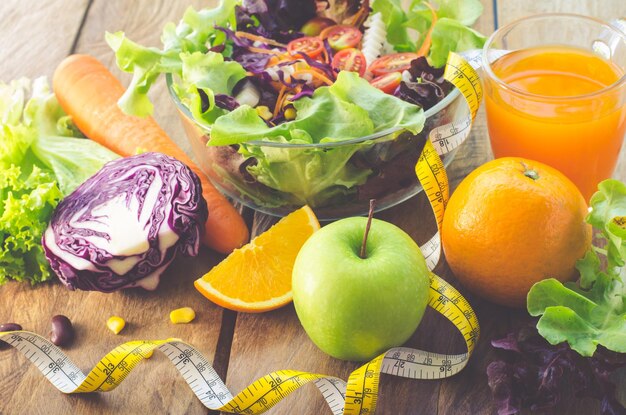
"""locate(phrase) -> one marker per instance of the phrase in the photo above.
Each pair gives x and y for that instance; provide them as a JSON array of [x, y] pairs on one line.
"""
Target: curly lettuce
[[592, 311], [196, 32], [43, 157]]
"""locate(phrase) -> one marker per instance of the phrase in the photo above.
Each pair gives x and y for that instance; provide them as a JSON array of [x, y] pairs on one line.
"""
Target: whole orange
[[511, 223]]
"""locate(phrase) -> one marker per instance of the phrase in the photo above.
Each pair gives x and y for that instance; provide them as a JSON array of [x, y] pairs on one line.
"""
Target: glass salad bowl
[[337, 179]]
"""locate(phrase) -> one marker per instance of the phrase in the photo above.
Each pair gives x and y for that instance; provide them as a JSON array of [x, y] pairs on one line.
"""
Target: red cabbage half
[[124, 225]]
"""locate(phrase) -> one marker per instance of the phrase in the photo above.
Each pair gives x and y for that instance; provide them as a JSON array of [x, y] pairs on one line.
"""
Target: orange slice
[[257, 276]]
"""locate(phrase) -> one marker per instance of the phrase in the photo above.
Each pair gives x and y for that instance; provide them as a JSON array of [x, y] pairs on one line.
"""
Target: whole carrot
[[88, 92]]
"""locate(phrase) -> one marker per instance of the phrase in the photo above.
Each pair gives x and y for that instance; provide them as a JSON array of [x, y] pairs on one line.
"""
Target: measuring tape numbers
[[358, 395]]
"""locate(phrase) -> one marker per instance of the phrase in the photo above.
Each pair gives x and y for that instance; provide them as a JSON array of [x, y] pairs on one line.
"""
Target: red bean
[[62, 331]]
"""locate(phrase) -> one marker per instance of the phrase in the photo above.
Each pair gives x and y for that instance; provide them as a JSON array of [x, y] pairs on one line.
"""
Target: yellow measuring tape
[[356, 396]]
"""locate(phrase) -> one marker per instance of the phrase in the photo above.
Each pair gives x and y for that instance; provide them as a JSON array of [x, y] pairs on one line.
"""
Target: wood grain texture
[[35, 35]]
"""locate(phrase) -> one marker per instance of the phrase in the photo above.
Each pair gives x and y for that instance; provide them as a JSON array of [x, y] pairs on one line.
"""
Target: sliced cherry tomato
[[312, 46], [396, 62], [342, 37], [388, 82], [350, 60]]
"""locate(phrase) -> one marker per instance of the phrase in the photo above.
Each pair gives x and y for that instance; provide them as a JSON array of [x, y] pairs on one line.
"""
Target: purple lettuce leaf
[[275, 15], [535, 375], [426, 87]]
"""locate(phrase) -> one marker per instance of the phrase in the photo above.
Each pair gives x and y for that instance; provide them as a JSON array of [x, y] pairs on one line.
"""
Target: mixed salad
[[303, 72]]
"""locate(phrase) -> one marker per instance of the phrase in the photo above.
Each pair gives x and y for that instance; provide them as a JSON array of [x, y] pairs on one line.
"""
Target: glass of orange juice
[[555, 92]]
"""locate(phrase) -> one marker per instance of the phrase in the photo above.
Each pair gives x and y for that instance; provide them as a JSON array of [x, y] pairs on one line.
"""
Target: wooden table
[[34, 38]]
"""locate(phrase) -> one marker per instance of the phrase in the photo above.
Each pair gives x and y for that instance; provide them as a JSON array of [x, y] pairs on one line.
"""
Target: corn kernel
[[290, 113], [116, 324], [182, 315], [264, 112]]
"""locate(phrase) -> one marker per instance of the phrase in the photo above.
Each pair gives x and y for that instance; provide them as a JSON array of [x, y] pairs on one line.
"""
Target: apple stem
[[367, 228]]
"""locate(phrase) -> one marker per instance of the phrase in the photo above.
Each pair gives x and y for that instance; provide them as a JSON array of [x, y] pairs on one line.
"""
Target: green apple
[[355, 308]]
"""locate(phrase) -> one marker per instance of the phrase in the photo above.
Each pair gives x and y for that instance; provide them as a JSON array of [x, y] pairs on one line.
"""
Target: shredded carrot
[[279, 100], [423, 50], [267, 51], [315, 74], [260, 39]]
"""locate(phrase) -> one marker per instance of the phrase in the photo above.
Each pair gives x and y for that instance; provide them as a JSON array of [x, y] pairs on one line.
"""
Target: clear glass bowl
[[389, 155]]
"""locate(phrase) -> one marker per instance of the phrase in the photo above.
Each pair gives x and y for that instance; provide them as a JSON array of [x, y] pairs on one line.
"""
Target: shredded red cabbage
[[307, 91], [226, 102]]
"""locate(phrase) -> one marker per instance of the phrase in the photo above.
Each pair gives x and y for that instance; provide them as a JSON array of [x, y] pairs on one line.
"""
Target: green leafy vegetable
[[43, 157], [350, 108], [211, 74], [591, 312], [464, 11], [195, 32], [27, 204], [450, 33]]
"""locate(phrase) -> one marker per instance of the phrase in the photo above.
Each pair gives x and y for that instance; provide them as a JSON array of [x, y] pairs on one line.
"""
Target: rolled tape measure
[[356, 396]]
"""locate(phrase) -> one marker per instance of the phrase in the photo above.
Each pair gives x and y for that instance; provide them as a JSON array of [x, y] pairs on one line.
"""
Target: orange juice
[[555, 104]]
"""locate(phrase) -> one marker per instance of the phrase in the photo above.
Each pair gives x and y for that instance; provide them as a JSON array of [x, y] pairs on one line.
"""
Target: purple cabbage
[[307, 91], [225, 102], [124, 225], [251, 61], [535, 375], [324, 67]]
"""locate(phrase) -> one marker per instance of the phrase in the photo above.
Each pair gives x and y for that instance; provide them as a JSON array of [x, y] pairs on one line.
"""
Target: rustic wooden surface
[[34, 37]]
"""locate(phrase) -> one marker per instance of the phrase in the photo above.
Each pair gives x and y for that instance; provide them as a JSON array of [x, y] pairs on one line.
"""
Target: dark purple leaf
[[534, 374], [427, 86], [280, 15]]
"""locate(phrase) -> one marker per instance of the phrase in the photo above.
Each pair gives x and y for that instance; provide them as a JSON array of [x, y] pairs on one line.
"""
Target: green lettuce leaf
[[452, 36], [350, 108], [308, 175], [395, 19], [464, 11], [43, 157], [406, 29], [146, 65], [194, 33], [591, 312], [27, 204], [211, 74]]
